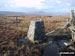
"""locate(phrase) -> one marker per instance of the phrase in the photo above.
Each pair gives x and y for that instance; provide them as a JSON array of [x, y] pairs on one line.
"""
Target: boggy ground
[[10, 34], [10, 44]]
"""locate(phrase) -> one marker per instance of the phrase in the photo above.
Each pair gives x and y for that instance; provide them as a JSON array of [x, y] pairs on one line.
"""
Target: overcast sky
[[37, 5]]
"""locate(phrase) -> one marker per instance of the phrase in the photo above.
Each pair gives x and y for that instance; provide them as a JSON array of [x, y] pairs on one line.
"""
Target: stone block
[[36, 31]]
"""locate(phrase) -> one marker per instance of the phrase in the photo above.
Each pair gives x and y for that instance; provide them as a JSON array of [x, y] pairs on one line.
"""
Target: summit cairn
[[36, 31], [72, 28]]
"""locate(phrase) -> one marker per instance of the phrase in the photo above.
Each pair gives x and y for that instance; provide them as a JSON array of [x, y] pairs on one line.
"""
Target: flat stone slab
[[51, 50]]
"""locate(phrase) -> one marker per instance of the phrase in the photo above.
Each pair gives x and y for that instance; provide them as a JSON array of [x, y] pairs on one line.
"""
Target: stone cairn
[[72, 16], [36, 31]]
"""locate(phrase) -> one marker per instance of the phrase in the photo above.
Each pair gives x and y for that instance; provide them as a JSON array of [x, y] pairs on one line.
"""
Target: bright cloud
[[7, 3], [68, 4], [58, 1], [37, 5], [30, 3]]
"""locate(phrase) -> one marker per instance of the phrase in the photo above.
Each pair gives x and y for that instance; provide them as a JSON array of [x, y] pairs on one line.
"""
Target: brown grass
[[10, 34], [50, 22]]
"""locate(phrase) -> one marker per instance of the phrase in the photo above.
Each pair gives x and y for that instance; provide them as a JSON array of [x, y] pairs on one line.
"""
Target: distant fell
[[32, 13]]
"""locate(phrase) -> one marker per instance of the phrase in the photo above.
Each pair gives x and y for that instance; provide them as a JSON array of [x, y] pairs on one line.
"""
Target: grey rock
[[51, 50]]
